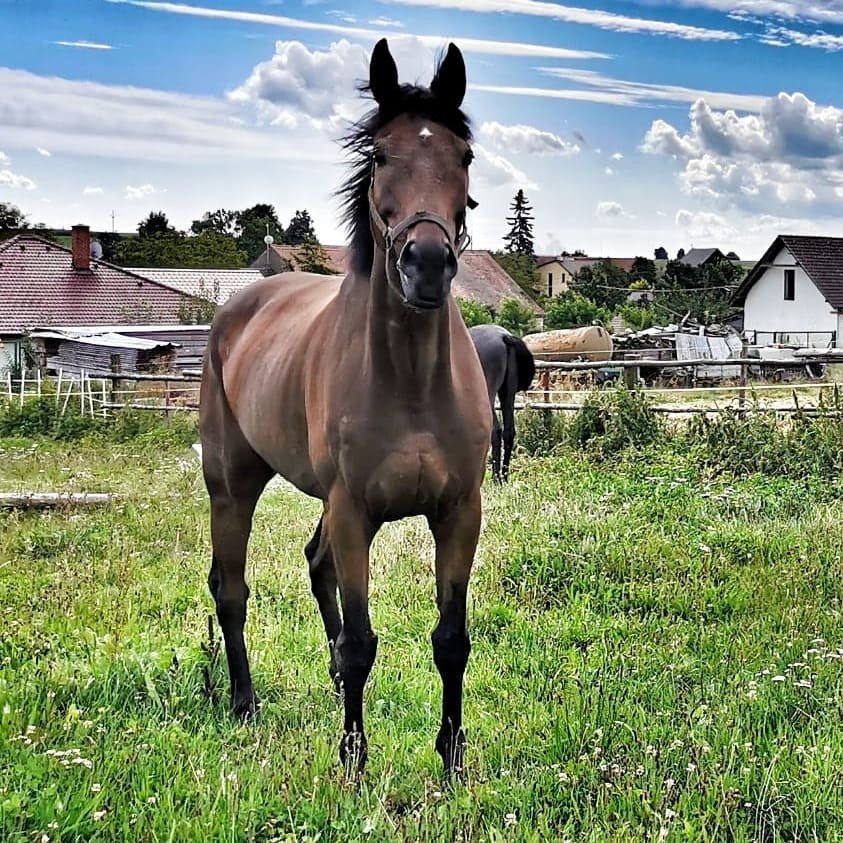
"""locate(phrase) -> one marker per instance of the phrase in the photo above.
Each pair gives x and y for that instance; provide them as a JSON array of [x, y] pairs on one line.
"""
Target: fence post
[[116, 367], [744, 373], [631, 375]]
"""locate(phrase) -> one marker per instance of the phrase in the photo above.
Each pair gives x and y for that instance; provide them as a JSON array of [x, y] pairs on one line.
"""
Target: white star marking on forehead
[[425, 133]]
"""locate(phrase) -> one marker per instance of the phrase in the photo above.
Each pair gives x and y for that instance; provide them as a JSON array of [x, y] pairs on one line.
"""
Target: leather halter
[[391, 233]]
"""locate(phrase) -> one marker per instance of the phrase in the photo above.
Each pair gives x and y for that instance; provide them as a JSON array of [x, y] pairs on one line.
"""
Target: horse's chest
[[405, 474]]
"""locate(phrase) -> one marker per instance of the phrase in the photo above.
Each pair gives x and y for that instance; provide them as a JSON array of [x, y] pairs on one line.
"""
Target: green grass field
[[657, 655]]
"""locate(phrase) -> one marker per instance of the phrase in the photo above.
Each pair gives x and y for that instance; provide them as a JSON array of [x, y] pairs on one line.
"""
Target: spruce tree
[[519, 240]]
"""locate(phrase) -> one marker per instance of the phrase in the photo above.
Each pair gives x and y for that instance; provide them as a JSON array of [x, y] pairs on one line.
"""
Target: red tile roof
[[38, 286], [480, 277]]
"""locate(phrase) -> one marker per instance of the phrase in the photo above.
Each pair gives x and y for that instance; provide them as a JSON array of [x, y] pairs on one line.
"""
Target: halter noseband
[[390, 234]]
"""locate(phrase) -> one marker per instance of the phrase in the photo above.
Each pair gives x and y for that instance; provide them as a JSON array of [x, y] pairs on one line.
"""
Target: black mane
[[358, 144]]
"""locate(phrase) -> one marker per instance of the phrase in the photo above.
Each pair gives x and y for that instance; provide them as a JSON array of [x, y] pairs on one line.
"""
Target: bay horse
[[508, 367], [364, 392]]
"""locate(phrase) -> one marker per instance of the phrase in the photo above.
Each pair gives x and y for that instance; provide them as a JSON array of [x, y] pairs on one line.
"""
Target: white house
[[794, 294]]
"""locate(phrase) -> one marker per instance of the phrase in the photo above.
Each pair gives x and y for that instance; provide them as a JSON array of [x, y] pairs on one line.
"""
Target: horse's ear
[[449, 81], [472, 203], [383, 74]]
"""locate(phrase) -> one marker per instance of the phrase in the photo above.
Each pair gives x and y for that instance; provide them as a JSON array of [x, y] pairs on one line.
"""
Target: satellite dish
[[96, 250]]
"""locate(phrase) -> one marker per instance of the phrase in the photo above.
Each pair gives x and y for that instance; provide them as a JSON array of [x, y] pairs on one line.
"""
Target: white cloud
[[384, 21], [467, 45], [792, 152], [609, 171], [297, 83], [610, 210], [13, 180], [642, 93], [140, 192], [85, 45], [617, 156], [591, 17], [704, 225], [4, 159], [92, 191], [520, 139], [41, 151], [782, 37], [493, 170], [830, 11], [120, 121]]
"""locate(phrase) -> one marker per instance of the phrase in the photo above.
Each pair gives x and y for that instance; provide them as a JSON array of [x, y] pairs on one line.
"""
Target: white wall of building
[[766, 310]]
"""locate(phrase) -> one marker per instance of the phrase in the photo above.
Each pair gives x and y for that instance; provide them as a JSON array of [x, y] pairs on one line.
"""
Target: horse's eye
[[467, 158], [380, 157]]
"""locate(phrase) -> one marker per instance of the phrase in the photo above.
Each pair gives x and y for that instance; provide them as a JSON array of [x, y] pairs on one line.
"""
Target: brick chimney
[[81, 248]]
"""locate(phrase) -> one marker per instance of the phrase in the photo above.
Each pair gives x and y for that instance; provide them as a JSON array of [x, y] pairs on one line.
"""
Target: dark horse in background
[[365, 393], [508, 367]]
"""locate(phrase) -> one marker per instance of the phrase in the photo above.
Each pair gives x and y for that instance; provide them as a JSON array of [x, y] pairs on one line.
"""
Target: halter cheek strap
[[391, 234]]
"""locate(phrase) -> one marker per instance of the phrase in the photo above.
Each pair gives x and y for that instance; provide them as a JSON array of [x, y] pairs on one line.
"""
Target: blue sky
[[629, 125]]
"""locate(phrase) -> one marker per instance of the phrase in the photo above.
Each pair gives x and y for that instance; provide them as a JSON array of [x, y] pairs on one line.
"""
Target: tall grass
[[657, 655]]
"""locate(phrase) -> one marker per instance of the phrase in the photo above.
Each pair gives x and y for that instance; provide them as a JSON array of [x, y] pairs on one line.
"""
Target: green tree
[[222, 221], [573, 310], [516, 317], [300, 230], [12, 219], [206, 250], [522, 270], [643, 268], [155, 224], [636, 317], [604, 283], [252, 223], [519, 238], [311, 257], [703, 292], [473, 313]]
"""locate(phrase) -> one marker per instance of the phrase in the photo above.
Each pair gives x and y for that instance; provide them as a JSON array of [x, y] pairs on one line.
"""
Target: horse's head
[[418, 191]]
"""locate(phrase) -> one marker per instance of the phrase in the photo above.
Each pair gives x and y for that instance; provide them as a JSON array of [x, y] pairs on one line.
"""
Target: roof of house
[[216, 285], [480, 277], [699, 257], [541, 260], [820, 257], [38, 286], [335, 257], [575, 264]]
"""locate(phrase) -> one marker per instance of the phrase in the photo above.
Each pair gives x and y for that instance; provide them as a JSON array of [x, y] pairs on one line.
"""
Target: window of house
[[789, 284], [550, 284]]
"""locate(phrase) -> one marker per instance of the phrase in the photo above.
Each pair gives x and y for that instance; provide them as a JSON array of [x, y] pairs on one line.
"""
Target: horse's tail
[[524, 361]]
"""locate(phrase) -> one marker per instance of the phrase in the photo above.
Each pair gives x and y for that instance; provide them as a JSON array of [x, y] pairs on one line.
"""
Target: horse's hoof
[[353, 754], [245, 709], [451, 748]]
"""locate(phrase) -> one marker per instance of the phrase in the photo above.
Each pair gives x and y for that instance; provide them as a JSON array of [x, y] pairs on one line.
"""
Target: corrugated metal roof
[[108, 339]]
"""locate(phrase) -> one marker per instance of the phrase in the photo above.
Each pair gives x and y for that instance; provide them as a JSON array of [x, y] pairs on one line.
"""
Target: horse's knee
[[451, 648], [355, 655], [231, 604]]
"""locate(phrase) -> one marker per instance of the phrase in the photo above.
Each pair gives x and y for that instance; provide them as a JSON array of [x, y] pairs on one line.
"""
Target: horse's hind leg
[[235, 476], [496, 446], [506, 396], [323, 584]]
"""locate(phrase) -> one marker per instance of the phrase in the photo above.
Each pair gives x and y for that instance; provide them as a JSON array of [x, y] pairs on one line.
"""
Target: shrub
[[613, 419], [540, 432], [473, 313]]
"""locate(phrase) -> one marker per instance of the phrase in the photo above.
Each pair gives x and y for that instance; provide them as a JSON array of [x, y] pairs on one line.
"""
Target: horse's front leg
[[351, 534], [456, 540]]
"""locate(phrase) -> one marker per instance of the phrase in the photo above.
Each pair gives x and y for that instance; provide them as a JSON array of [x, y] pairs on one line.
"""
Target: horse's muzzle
[[427, 268]]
